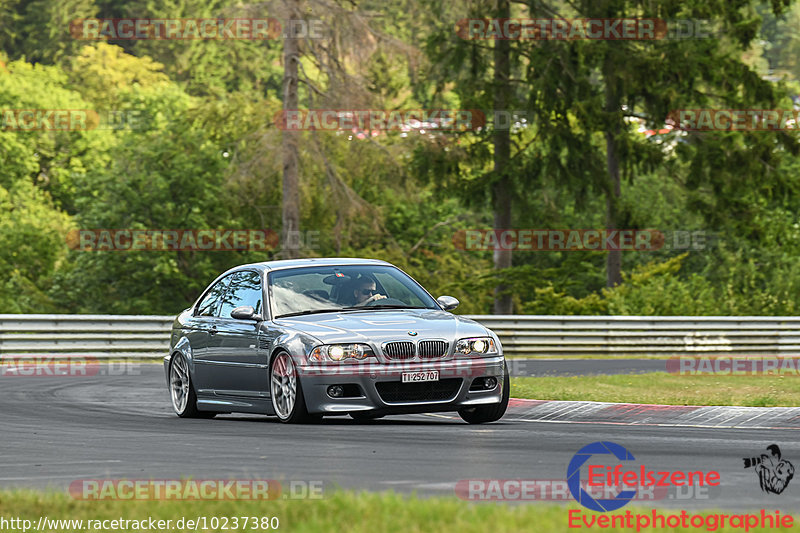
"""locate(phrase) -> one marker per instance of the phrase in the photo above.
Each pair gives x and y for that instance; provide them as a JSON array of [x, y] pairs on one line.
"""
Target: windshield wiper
[[309, 312]]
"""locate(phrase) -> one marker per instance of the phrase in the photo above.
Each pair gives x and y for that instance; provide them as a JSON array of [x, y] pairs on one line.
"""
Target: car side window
[[245, 289], [210, 303]]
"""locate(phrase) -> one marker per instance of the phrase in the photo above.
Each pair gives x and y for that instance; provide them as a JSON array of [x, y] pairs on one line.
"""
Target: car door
[[242, 366], [203, 337]]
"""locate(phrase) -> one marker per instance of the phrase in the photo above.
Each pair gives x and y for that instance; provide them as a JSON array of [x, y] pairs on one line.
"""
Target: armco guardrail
[[523, 335], [85, 335], [565, 336]]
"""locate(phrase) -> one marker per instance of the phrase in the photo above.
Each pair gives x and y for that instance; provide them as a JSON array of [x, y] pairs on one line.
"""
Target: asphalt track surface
[[119, 424]]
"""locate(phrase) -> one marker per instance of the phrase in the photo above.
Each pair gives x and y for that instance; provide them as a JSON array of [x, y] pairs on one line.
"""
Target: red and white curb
[[652, 415]]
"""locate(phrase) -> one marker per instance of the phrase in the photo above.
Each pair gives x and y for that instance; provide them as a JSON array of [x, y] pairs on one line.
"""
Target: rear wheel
[[489, 413], [286, 391], [181, 388]]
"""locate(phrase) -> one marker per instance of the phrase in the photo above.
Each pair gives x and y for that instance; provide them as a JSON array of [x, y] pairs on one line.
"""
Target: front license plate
[[412, 377]]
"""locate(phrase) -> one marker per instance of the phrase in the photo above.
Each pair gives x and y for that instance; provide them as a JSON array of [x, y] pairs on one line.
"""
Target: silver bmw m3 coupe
[[307, 338]]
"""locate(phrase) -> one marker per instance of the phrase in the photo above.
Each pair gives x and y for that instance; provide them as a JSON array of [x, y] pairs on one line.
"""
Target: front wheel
[[286, 391], [489, 413]]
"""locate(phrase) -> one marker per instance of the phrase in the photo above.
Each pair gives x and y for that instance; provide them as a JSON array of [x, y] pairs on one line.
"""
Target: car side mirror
[[245, 312], [448, 302]]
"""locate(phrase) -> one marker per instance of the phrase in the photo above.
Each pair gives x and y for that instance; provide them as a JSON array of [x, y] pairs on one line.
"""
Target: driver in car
[[365, 291]]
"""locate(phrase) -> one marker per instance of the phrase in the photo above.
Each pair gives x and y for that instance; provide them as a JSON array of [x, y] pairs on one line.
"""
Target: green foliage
[[652, 289], [547, 301], [749, 286], [166, 176], [104, 73], [656, 289], [57, 160], [204, 152], [32, 234], [39, 30], [781, 46], [209, 67]]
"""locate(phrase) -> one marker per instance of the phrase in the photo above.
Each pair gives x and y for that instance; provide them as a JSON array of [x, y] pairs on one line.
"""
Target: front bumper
[[316, 379]]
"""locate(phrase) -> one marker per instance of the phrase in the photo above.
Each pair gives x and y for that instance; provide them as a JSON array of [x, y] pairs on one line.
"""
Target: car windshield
[[309, 290]]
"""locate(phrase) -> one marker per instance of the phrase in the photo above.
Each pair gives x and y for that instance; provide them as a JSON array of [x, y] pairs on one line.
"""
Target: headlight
[[341, 352], [476, 346]]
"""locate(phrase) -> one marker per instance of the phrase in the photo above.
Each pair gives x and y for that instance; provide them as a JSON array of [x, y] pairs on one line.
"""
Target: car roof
[[316, 261]]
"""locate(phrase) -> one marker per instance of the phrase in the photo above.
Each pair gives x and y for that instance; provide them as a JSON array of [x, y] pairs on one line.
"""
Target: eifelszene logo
[[601, 475], [574, 477], [774, 473]]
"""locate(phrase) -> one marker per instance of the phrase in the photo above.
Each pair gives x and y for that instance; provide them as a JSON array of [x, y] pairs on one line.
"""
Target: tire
[[181, 390], [286, 391], [489, 413]]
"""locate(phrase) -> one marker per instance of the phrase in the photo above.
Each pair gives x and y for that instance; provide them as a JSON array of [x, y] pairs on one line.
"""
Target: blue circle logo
[[412, 333], [574, 477]]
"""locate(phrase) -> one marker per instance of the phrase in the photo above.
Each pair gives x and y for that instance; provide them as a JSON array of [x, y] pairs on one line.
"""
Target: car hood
[[379, 326]]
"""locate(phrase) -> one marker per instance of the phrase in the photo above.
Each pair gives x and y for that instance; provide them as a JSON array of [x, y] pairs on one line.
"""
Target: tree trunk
[[501, 190], [613, 190], [290, 216]]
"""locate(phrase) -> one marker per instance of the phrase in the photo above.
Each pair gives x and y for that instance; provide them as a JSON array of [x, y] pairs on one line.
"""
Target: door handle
[[213, 330]]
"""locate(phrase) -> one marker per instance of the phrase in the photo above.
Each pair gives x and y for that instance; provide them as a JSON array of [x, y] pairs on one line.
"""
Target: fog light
[[335, 391], [490, 382]]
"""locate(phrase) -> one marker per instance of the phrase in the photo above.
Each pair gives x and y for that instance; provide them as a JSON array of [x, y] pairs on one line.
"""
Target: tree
[[501, 189], [644, 80], [472, 75], [39, 29], [32, 245], [167, 174], [322, 72], [290, 220]]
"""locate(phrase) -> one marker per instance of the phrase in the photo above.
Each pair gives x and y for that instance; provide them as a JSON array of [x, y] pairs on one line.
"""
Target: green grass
[[346, 512], [664, 388]]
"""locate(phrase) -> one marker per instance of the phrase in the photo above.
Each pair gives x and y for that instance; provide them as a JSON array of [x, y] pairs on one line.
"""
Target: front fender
[[181, 347], [296, 344]]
